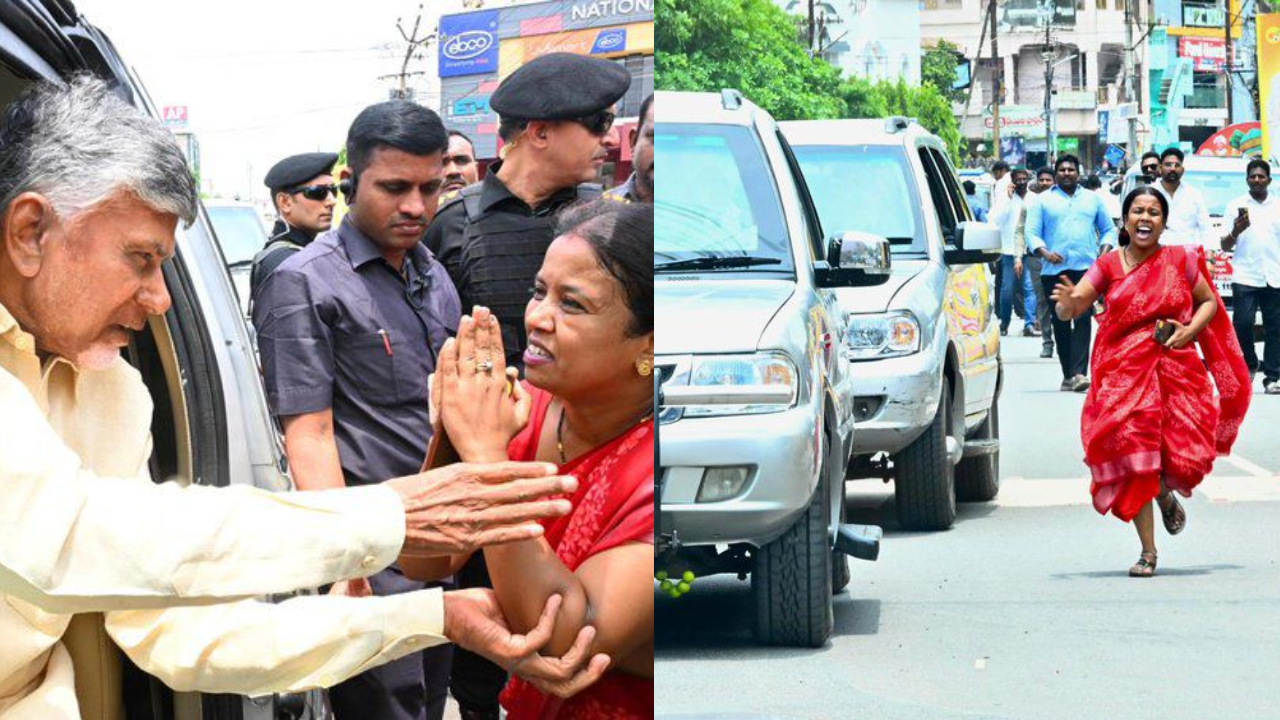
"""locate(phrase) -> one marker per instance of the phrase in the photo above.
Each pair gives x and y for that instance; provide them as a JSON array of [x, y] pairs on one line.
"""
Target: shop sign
[[1206, 54], [174, 116], [1022, 120], [609, 10], [469, 44]]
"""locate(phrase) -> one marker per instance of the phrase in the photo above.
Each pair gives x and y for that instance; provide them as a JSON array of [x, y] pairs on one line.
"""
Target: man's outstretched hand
[[461, 508], [473, 620]]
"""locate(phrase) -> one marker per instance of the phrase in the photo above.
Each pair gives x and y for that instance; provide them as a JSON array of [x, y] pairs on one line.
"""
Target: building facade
[[1064, 76], [873, 39], [478, 49], [1189, 79]]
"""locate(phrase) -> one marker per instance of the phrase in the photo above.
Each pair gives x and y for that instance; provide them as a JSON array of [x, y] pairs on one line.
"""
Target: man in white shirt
[[1010, 273], [1189, 222], [1255, 239], [90, 196], [1003, 188]]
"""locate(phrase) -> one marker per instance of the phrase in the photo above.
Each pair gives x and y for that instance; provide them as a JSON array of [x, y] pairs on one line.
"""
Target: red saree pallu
[[1151, 412], [613, 506]]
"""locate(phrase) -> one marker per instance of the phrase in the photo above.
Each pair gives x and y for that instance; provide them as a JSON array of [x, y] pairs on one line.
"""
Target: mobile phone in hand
[[1164, 331]]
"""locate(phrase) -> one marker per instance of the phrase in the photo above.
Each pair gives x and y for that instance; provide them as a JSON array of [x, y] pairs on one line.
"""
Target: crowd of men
[[350, 319], [1057, 225]]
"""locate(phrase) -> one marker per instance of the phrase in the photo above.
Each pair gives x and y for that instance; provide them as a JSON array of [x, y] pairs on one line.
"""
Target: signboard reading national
[[469, 44]]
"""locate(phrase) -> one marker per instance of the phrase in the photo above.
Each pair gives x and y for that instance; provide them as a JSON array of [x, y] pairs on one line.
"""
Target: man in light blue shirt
[[1067, 228]]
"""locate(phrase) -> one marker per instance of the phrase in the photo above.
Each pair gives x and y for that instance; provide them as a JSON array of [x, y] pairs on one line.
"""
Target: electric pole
[[1129, 49], [415, 44], [1227, 58], [1050, 150], [998, 71], [811, 23]]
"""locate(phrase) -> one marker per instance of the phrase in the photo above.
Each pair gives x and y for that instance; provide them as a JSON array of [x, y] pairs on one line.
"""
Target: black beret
[[297, 169], [560, 86]]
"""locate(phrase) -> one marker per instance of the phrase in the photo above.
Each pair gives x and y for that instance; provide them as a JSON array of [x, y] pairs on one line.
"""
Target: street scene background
[[1023, 610]]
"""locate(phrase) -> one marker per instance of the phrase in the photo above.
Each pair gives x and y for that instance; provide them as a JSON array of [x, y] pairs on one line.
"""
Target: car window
[[952, 185], [864, 188], [1218, 188], [937, 191], [810, 219], [721, 199], [239, 230]]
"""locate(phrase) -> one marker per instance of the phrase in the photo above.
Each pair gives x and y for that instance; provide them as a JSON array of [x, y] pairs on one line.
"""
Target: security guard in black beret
[[555, 119], [303, 194]]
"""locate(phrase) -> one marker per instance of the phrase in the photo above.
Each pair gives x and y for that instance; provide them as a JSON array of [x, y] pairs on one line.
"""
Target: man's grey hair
[[79, 144]]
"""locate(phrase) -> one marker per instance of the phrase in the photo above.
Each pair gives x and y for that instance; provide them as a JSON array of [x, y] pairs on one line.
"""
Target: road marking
[[1250, 468]]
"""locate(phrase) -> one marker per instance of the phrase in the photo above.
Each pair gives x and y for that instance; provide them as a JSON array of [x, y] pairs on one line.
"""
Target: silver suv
[[925, 345], [756, 423]]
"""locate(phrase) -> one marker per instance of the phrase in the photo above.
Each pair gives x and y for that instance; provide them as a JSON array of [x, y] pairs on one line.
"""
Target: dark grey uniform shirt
[[339, 328]]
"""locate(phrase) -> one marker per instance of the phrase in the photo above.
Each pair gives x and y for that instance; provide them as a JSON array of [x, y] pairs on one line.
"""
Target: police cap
[[560, 86], [297, 169]]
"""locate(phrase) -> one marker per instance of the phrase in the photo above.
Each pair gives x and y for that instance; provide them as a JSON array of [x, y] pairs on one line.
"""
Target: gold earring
[[644, 367]]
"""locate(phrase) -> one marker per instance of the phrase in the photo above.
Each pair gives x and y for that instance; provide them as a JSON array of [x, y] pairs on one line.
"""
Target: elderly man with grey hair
[[91, 191]]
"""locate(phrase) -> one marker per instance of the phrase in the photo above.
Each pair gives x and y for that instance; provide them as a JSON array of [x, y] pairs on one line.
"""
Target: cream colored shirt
[[86, 530]]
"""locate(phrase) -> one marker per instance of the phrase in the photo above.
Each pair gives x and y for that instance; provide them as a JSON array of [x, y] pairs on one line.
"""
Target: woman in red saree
[[588, 408], [1151, 424]]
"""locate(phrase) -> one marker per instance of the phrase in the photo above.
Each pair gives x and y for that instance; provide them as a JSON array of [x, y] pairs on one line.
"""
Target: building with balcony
[[1189, 83], [1082, 43], [873, 39]]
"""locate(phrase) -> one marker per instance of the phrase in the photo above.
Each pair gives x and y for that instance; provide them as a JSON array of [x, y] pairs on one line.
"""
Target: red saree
[[612, 507], [1151, 412]]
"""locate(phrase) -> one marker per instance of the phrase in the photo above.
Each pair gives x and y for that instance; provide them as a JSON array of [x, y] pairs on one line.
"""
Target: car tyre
[[978, 478], [792, 577], [924, 478]]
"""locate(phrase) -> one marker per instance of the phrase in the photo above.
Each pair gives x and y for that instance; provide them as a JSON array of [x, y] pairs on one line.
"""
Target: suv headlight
[[739, 374], [881, 335]]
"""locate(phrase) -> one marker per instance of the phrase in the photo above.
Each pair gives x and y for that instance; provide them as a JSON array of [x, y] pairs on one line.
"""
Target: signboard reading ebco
[[469, 44]]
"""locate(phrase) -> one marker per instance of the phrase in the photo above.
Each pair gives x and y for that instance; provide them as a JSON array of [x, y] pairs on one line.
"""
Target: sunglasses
[[596, 123], [315, 192], [1150, 168]]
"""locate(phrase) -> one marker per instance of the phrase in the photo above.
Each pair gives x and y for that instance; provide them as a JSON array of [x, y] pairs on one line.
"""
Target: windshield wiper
[[716, 262]]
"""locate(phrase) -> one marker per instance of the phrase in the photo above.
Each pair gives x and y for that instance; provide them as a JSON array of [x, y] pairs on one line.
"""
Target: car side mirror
[[853, 259], [975, 242]]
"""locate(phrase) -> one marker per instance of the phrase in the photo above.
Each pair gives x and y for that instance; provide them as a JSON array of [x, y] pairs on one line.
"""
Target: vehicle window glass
[[882, 201], [946, 216], [952, 184], [239, 231], [721, 199], [1218, 188], [812, 222]]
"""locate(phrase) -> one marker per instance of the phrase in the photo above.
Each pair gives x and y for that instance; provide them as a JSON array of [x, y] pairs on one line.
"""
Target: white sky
[[265, 79]]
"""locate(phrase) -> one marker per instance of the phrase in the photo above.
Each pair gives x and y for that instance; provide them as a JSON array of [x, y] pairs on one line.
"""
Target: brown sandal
[[1175, 518], [1145, 567]]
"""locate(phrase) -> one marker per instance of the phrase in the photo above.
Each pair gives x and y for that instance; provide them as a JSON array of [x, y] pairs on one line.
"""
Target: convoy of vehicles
[[800, 338]]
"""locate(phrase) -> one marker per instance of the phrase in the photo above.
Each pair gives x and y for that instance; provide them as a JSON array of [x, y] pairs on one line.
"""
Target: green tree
[[938, 68], [707, 45], [864, 99]]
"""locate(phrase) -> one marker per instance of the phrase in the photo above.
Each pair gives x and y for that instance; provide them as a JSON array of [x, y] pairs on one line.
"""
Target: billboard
[[174, 117], [1206, 54], [469, 43], [1026, 121], [1269, 82]]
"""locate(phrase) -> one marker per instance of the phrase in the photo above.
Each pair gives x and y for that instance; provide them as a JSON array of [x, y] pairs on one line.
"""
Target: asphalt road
[[1023, 610]]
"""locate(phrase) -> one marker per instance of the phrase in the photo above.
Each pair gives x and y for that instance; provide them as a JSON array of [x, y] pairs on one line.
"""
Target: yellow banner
[[1269, 83]]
